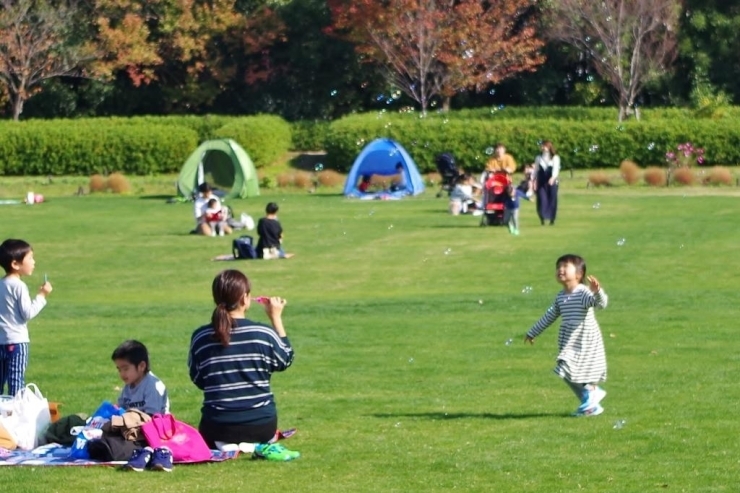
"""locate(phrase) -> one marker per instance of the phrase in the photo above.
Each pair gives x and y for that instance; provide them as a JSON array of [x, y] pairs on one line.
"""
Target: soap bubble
[[398, 425], [509, 342], [597, 205], [527, 289], [448, 251], [593, 148], [621, 242], [619, 424], [489, 150], [318, 167], [334, 92], [390, 227], [651, 146], [480, 302], [492, 92], [620, 128], [411, 360], [575, 150]]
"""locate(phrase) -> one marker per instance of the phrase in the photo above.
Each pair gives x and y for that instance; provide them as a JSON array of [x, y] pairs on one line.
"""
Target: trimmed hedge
[[309, 136], [581, 144], [88, 146], [264, 137]]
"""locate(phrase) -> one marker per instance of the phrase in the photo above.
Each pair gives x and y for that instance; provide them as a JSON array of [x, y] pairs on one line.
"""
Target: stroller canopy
[[222, 163], [381, 157]]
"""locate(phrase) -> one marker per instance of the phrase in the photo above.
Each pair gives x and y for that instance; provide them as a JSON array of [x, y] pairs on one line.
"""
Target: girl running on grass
[[581, 359]]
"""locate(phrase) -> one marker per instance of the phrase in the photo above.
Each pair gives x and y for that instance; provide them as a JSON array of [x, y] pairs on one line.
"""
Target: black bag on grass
[[243, 248]]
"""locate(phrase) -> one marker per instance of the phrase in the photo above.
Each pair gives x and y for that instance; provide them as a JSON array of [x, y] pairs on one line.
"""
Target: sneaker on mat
[[275, 451], [161, 460], [591, 398], [139, 459]]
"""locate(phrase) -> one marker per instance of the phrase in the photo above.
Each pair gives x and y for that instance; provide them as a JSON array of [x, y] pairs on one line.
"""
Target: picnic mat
[[54, 454]]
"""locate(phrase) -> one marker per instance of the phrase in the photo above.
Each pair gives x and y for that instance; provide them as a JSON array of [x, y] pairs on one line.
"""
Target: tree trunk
[[622, 112], [446, 103], [17, 101]]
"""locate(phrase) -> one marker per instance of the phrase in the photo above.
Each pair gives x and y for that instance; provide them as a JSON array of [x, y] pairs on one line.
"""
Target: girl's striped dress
[[581, 357]]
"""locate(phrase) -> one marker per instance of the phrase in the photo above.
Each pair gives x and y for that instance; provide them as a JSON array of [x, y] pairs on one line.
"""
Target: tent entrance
[[217, 169]]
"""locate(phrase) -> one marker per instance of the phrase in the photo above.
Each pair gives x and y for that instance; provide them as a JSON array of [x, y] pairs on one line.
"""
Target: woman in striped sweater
[[581, 359], [232, 359]]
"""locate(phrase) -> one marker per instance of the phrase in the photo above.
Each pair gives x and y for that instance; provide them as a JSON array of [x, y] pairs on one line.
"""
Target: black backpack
[[243, 248]]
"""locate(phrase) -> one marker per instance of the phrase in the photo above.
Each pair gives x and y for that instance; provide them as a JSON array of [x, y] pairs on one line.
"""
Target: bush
[[630, 172], [117, 183], [719, 175], [97, 184], [264, 137], [331, 178], [303, 179], [580, 144], [655, 177], [599, 179], [284, 180], [92, 146], [308, 136], [683, 176]]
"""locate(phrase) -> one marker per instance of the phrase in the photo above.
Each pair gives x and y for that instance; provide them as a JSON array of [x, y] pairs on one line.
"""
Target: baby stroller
[[494, 197], [446, 167]]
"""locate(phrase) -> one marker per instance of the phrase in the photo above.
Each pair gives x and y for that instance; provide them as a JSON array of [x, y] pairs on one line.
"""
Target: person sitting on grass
[[232, 360], [142, 390], [216, 217], [364, 185], [205, 195], [270, 243], [400, 183]]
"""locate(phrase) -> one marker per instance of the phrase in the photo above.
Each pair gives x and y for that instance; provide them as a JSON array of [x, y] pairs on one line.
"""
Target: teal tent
[[223, 164]]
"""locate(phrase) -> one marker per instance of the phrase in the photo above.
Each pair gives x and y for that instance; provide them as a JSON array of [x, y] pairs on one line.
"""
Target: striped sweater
[[235, 379], [581, 357]]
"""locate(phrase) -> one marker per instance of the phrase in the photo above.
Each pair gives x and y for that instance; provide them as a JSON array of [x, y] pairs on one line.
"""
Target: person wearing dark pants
[[547, 171]]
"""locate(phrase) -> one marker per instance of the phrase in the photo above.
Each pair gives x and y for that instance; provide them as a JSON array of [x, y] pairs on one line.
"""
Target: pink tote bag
[[182, 439]]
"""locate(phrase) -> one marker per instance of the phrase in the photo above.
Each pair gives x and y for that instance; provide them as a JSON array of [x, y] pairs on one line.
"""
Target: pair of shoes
[[274, 451], [159, 459], [592, 411], [591, 398], [515, 232]]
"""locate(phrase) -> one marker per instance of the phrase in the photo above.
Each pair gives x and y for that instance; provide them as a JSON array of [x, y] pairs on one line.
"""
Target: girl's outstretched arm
[[544, 322], [597, 298]]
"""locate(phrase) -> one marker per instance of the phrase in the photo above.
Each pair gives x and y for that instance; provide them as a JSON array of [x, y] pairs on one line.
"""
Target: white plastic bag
[[31, 417]]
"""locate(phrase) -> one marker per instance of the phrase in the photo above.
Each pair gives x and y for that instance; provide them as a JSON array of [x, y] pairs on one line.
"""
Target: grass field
[[399, 314]]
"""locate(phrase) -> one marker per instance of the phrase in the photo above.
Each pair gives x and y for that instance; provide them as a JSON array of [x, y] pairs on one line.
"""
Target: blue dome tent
[[380, 157]]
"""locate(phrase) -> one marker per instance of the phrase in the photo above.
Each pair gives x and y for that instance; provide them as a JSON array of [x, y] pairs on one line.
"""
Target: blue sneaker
[[161, 460], [591, 398], [139, 460]]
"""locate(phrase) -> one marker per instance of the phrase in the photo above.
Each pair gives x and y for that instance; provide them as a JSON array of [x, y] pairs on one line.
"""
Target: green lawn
[[399, 314]]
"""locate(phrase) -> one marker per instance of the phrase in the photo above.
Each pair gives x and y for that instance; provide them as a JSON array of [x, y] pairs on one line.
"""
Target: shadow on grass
[[442, 416]]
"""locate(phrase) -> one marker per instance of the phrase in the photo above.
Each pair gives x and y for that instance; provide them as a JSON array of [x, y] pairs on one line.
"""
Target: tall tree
[[36, 44], [629, 42], [440, 47], [191, 48]]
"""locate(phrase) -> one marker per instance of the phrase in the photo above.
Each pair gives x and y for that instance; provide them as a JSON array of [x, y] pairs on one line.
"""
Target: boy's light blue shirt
[[150, 396], [16, 309]]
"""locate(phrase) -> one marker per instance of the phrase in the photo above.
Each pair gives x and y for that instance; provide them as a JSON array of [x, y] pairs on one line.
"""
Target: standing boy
[[16, 309]]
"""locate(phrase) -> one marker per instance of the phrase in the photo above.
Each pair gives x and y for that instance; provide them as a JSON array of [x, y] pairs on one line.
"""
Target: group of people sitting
[[399, 182], [540, 181], [213, 219]]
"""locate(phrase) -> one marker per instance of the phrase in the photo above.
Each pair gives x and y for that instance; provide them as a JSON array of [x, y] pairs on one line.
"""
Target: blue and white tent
[[381, 157]]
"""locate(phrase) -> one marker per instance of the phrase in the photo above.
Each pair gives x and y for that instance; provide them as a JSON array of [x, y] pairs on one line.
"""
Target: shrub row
[[74, 147], [589, 144], [138, 146], [264, 137]]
